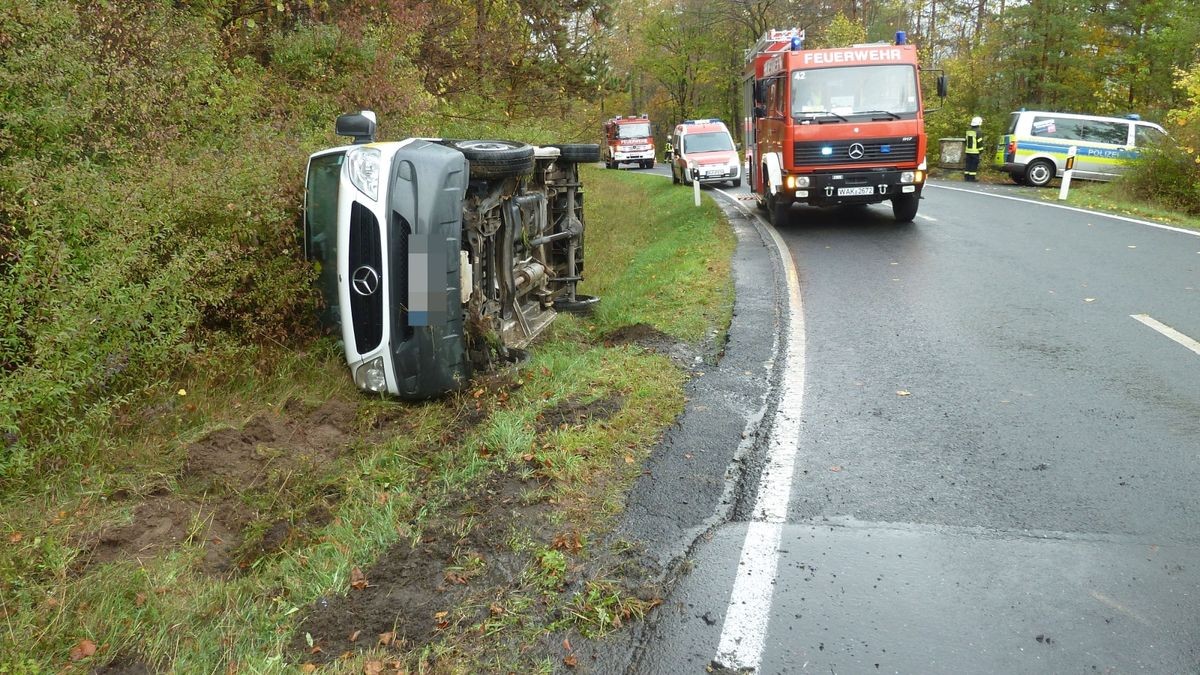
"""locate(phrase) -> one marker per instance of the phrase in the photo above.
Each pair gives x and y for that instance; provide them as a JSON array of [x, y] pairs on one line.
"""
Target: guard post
[[1066, 179], [695, 171]]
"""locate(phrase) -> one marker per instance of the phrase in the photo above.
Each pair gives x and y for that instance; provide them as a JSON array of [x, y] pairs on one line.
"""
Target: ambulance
[[703, 150]]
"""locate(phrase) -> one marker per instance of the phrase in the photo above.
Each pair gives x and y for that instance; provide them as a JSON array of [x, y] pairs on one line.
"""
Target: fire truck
[[628, 140], [828, 127]]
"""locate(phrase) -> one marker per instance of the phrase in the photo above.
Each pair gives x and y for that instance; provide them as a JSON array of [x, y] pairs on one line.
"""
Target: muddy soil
[[412, 592], [652, 339], [575, 413], [219, 471]]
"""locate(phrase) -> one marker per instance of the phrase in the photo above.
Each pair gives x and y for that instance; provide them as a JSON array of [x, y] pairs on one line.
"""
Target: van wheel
[[1039, 173], [496, 159], [578, 152]]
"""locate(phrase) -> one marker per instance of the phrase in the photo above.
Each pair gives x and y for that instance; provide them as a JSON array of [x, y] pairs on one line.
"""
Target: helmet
[[976, 121]]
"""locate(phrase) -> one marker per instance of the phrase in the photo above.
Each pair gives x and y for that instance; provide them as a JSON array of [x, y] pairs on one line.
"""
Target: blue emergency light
[[1133, 116], [826, 150], [901, 37], [797, 43]]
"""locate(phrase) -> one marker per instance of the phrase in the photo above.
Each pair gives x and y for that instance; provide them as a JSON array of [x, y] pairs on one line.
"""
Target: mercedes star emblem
[[365, 280], [857, 151]]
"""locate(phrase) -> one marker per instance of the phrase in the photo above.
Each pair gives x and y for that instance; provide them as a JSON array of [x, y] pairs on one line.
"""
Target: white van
[[1034, 149]]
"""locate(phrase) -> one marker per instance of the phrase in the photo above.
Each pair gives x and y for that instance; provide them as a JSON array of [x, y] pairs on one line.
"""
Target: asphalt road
[[983, 457]]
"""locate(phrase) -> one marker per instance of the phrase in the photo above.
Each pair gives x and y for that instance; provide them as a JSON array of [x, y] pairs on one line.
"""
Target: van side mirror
[[359, 126], [941, 86]]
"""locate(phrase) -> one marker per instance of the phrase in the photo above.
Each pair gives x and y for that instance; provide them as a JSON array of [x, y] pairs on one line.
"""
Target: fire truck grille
[[873, 151], [366, 277]]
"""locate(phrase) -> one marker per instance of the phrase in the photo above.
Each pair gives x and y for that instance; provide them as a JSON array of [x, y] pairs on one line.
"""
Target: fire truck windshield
[[890, 91], [640, 130], [710, 141]]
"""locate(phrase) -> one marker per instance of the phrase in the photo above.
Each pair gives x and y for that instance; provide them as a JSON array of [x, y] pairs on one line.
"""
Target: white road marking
[[1160, 226], [1168, 331], [1120, 608], [744, 632], [931, 219]]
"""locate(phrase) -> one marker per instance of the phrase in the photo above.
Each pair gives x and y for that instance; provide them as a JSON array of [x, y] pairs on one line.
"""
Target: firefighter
[[667, 150], [971, 168]]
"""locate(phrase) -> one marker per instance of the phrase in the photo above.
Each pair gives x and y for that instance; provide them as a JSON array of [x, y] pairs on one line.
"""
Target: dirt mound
[[574, 413], [410, 590], [271, 443], [225, 465]]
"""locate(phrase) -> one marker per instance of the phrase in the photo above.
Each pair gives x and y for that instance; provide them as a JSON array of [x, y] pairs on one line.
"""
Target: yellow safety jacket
[[972, 142]]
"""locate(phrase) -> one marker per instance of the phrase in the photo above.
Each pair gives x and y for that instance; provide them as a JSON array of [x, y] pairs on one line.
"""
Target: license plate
[[718, 172], [856, 191]]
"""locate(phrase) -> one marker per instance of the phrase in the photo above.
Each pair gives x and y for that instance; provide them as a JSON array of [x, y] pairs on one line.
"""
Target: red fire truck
[[834, 126], [629, 140]]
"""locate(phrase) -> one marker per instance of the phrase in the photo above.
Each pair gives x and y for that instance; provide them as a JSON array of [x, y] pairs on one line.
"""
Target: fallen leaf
[[182, 392], [528, 457], [354, 635], [387, 638], [358, 580], [567, 644], [835, 468], [308, 668], [629, 459], [904, 392], [15, 537], [477, 393], [84, 649], [496, 610], [139, 599], [372, 667], [440, 615], [1089, 299], [570, 661], [687, 455]]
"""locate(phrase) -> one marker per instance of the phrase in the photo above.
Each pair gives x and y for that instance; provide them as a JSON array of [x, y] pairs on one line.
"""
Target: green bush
[[1169, 174]]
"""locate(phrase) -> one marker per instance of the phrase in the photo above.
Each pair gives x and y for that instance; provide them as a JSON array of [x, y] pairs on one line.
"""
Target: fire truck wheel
[[905, 208], [578, 152], [496, 159], [737, 183], [780, 213]]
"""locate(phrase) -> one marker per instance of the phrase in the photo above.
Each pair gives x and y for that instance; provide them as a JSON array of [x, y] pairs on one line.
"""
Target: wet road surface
[[994, 458]]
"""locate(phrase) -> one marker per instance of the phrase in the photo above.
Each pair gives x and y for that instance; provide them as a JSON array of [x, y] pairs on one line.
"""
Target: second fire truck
[[826, 127]]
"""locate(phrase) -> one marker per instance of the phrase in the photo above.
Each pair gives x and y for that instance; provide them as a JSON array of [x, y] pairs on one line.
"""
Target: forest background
[[152, 151]]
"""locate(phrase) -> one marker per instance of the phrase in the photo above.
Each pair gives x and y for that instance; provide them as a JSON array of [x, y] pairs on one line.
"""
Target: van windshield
[[710, 141], [855, 90], [320, 228], [633, 130]]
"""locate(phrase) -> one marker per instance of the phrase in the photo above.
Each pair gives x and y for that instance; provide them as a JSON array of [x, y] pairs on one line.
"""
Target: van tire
[[496, 159], [577, 153], [1039, 172]]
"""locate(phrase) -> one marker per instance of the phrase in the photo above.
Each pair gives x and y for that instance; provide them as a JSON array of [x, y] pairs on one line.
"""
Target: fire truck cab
[[629, 140], [826, 127]]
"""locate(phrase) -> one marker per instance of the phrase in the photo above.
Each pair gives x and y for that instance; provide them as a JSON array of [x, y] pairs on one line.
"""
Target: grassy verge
[[259, 515]]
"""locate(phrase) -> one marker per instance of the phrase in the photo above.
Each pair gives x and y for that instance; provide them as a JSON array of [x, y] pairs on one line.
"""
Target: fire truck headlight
[[363, 167], [370, 377], [907, 177], [801, 181]]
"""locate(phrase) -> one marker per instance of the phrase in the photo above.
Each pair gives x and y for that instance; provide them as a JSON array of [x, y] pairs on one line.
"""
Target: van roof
[[694, 126], [1129, 118]]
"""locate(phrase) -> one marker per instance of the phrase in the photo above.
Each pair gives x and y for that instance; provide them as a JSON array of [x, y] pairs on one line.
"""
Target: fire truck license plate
[[856, 191]]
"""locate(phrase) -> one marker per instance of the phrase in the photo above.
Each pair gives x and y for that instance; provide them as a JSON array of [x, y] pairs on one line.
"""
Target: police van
[[1034, 149]]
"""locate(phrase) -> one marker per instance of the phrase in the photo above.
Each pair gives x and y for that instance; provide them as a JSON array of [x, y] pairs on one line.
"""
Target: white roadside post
[[695, 171], [1066, 179]]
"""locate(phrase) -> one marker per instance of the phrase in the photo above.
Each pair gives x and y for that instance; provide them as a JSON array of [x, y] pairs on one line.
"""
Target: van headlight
[[370, 376], [363, 166]]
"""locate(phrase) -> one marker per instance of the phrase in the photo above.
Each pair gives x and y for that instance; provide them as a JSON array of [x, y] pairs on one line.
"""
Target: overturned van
[[437, 258]]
